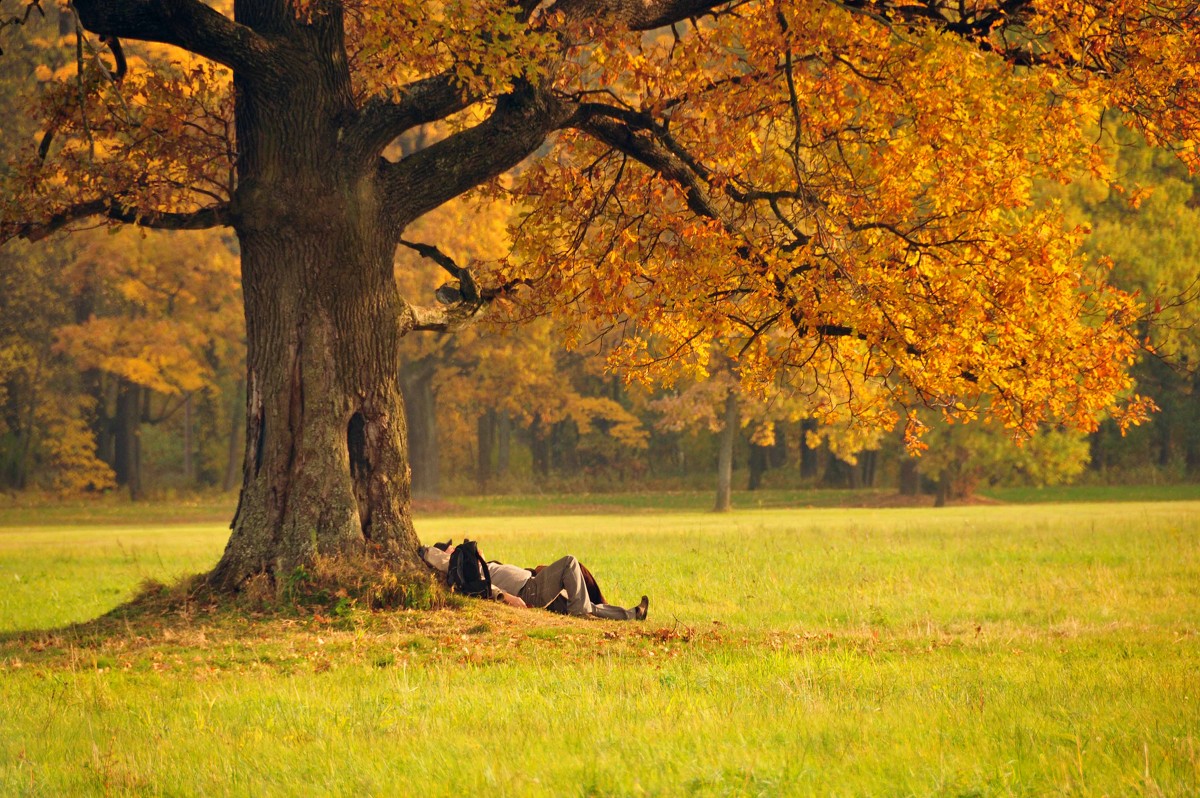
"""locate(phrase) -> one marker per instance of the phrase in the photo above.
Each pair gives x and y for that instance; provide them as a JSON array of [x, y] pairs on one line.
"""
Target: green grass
[[989, 650], [33, 510], [1097, 493]]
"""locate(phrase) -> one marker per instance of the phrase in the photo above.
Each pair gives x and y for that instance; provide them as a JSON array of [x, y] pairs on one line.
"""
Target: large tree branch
[[439, 96], [441, 317], [634, 135], [985, 28], [188, 24], [424, 180], [383, 119], [203, 219]]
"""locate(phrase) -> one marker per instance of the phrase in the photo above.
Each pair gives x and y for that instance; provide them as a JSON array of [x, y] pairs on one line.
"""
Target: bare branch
[[203, 219], [467, 289], [633, 135], [21, 19], [437, 256]]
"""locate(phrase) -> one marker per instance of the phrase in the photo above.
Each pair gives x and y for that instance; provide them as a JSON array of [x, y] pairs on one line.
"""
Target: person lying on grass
[[520, 587]]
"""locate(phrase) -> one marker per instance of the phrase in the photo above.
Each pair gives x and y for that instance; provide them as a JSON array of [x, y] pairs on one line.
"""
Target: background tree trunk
[[539, 447], [420, 403], [810, 466], [233, 450], [189, 465], [503, 445], [778, 455], [868, 462], [485, 428], [757, 465], [725, 456], [26, 429], [127, 435], [1166, 441], [910, 476]]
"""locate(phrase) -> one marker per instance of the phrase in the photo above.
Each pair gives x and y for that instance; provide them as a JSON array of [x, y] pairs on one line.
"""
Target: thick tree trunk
[[725, 456], [325, 472]]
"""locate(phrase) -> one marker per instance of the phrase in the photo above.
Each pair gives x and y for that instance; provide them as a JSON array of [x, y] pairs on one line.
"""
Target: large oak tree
[[836, 194]]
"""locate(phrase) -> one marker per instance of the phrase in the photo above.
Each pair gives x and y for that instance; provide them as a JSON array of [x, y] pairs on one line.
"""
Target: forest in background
[[122, 368]]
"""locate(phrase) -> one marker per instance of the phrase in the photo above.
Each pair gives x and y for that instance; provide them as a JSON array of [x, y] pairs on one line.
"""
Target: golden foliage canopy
[[836, 194]]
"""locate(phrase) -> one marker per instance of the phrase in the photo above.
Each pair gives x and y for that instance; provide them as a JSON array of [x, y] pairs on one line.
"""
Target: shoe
[[639, 612]]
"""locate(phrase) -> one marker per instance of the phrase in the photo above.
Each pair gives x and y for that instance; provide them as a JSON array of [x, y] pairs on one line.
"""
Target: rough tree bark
[[325, 471]]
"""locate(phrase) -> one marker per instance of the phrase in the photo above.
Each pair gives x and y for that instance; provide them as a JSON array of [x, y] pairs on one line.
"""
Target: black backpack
[[468, 573]]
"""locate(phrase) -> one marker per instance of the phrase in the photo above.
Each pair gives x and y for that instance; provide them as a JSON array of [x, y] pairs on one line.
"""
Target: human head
[[438, 558]]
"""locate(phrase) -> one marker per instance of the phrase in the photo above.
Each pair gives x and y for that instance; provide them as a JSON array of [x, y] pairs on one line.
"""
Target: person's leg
[[612, 612], [615, 613], [561, 574], [565, 574]]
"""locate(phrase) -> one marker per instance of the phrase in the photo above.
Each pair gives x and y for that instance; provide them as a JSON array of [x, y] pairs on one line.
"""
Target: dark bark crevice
[[360, 469]]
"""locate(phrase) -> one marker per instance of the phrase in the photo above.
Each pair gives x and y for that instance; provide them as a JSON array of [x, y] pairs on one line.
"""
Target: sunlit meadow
[[984, 650]]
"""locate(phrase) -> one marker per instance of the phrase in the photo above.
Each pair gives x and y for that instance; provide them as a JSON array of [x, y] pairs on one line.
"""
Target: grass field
[[985, 650]]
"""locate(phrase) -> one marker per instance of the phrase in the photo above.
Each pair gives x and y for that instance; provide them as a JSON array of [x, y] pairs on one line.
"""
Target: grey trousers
[[565, 575]]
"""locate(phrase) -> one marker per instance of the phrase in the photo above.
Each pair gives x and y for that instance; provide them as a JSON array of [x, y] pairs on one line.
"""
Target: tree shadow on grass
[[335, 594], [344, 612]]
